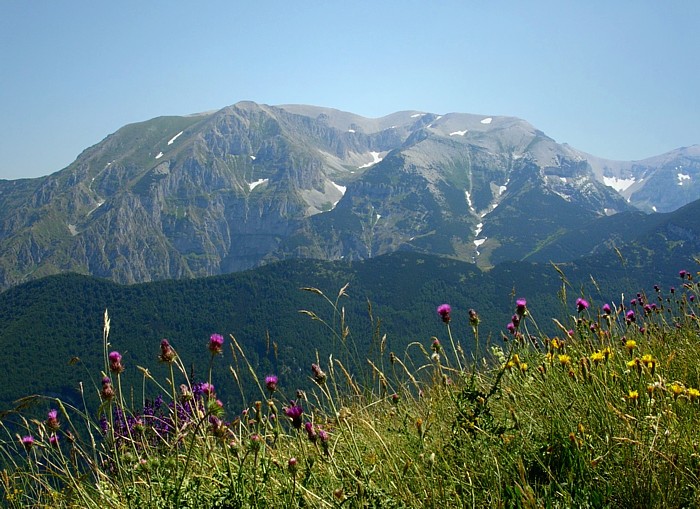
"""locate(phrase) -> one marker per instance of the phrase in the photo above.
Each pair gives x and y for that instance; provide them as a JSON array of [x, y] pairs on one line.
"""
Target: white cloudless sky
[[618, 79]]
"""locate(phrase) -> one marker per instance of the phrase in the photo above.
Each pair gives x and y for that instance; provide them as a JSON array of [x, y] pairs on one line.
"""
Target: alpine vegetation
[[601, 414]]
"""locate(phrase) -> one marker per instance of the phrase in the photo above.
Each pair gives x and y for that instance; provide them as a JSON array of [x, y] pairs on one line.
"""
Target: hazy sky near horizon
[[619, 79]]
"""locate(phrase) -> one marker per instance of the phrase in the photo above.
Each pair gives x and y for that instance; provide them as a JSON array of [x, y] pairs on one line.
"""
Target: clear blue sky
[[619, 79]]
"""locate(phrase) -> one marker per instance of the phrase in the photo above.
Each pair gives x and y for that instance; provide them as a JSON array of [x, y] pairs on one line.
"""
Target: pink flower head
[[682, 274], [107, 391], [52, 419], [629, 317], [581, 304], [521, 307], [294, 412], [53, 440], [607, 309], [271, 383], [115, 362], [208, 389], [216, 343], [27, 441], [444, 311], [167, 353]]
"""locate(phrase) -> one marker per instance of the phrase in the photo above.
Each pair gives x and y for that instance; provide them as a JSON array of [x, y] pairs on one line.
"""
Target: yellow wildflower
[[607, 352], [564, 360], [523, 366], [676, 390], [630, 344], [597, 357], [693, 393], [632, 363], [555, 344], [633, 396]]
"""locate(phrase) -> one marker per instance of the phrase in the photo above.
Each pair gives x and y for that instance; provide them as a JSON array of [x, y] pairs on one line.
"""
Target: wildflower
[[53, 440], [255, 442], [310, 431], [677, 390], [581, 304], [556, 344], [564, 360], [292, 465], [207, 389], [633, 396], [271, 383], [294, 412], [115, 362], [648, 361], [510, 328], [323, 437], [319, 374], [216, 343], [107, 391], [693, 393], [167, 353], [629, 316], [395, 399], [523, 367], [633, 302], [444, 311], [607, 353], [607, 309], [682, 274], [27, 441], [435, 345], [630, 345], [520, 307], [52, 419], [473, 318], [597, 357]]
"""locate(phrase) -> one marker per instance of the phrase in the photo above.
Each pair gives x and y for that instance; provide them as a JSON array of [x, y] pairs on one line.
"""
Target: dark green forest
[[51, 329]]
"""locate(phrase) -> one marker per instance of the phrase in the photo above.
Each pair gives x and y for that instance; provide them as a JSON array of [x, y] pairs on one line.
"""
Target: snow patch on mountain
[[487, 120], [160, 154], [375, 159], [683, 177], [459, 133], [618, 184], [253, 185], [172, 140], [342, 189]]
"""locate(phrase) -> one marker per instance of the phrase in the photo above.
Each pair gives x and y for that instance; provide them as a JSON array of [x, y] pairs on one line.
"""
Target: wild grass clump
[[602, 413]]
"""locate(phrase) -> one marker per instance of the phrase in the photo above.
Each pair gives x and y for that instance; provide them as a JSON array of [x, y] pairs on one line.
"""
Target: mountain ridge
[[218, 192]]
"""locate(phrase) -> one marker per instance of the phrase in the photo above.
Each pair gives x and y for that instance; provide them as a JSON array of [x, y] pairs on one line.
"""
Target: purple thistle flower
[[581, 304], [511, 327], [294, 412], [520, 307], [107, 391], [629, 317], [115, 362], [319, 374], [692, 298], [52, 419], [53, 440], [216, 343], [682, 274], [310, 431], [207, 389], [27, 441], [444, 311], [167, 353], [607, 309], [473, 318], [271, 383], [633, 302]]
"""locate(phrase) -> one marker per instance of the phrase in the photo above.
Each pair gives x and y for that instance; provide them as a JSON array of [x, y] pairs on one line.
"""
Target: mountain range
[[250, 184]]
